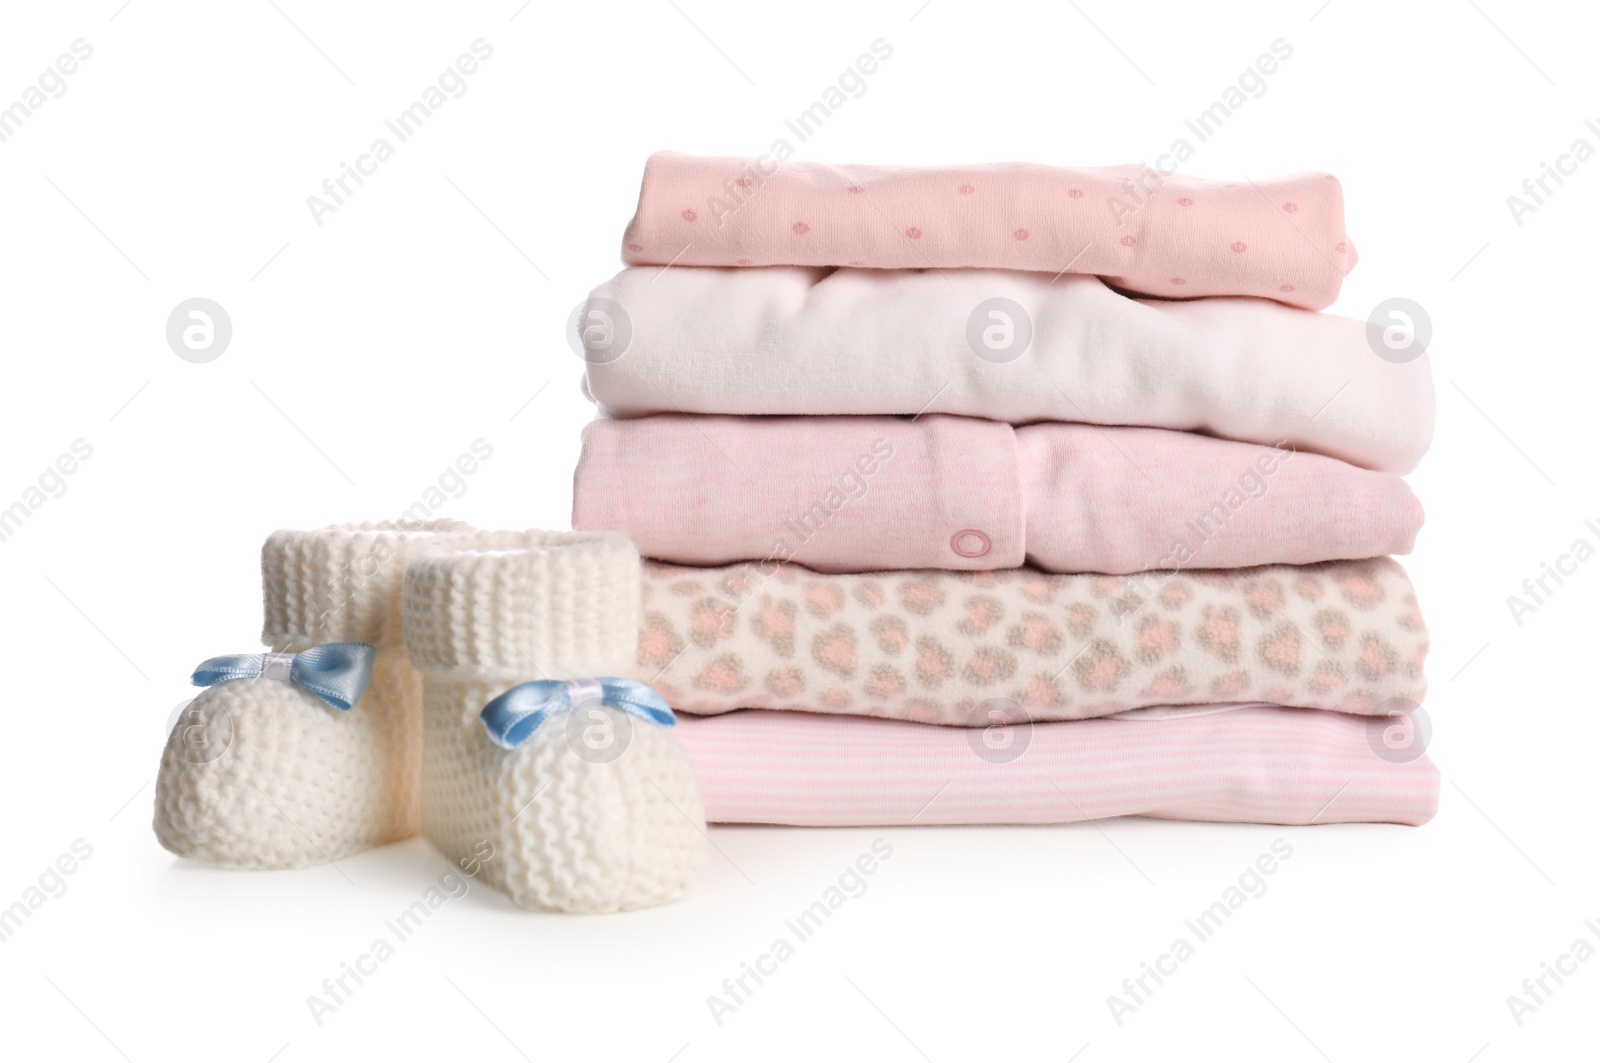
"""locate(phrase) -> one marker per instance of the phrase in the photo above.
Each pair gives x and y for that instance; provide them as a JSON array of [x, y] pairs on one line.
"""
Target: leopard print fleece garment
[[971, 648]]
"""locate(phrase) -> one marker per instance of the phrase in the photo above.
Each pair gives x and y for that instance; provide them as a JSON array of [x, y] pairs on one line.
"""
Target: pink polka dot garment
[[1166, 235]]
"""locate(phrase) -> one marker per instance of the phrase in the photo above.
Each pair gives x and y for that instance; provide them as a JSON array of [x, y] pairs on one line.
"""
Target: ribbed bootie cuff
[[533, 604], [341, 583]]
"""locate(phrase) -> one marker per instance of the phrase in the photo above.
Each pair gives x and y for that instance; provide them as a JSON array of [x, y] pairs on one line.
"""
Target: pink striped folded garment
[[1232, 764], [860, 494], [1159, 234]]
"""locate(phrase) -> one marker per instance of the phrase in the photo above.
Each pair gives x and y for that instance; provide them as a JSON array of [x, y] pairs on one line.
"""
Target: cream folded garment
[[858, 494], [789, 340], [957, 647], [1161, 234], [1238, 764]]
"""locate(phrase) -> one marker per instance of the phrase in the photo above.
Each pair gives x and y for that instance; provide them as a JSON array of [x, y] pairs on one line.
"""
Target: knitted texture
[[340, 583], [533, 604], [597, 811], [261, 774]]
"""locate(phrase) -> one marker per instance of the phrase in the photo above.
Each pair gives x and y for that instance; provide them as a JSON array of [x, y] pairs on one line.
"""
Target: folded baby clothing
[[1007, 346], [1229, 764], [862, 494], [939, 647], [925, 459], [263, 772], [942, 523], [1163, 234]]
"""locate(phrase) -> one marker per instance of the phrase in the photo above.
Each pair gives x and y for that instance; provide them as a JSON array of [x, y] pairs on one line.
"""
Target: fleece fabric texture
[[943, 647], [1245, 764], [595, 812], [1013, 347], [859, 494], [1161, 234], [258, 773]]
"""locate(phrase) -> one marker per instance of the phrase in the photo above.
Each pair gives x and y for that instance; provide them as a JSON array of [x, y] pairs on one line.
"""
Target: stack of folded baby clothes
[[959, 506]]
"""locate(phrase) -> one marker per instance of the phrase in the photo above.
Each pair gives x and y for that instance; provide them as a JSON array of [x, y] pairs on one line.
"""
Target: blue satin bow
[[337, 673], [513, 716]]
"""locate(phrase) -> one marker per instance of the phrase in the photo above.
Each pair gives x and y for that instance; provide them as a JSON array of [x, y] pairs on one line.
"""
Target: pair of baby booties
[[596, 811]]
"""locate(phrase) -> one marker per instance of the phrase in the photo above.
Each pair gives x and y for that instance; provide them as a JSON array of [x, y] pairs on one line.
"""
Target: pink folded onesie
[[1167, 235], [858, 494], [953, 647], [1244, 764]]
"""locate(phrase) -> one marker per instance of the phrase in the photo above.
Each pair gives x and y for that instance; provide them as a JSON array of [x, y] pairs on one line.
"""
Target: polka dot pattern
[[1177, 233]]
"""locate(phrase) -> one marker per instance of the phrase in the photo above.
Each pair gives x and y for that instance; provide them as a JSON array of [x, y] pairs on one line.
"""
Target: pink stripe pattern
[[1235, 764]]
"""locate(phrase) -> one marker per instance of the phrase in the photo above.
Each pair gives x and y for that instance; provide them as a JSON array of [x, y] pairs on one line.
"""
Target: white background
[[427, 312]]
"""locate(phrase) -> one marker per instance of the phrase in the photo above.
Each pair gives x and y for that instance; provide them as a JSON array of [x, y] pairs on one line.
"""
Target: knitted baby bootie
[[569, 795], [265, 769]]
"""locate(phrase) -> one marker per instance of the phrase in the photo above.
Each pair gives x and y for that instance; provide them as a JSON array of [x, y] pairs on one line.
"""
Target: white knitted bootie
[[595, 809], [264, 773]]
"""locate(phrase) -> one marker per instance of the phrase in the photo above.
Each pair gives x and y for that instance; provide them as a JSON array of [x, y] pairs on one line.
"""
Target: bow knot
[[512, 717], [337, 672]]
